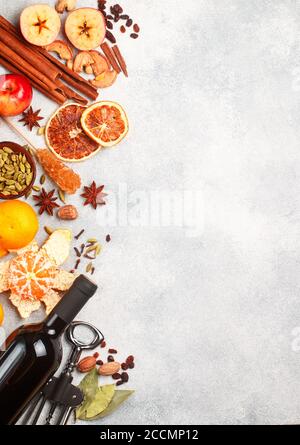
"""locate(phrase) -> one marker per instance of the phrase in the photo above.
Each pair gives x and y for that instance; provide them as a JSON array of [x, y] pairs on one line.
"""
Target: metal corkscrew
[[59, 391]]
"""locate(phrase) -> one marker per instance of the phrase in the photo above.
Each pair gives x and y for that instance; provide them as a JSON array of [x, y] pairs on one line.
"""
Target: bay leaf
[[119, 397], [100, 401], [89, 387]]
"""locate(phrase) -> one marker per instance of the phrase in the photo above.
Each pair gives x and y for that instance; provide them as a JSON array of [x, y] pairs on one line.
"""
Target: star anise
[[31, 118], [46, 201], [93, 195]]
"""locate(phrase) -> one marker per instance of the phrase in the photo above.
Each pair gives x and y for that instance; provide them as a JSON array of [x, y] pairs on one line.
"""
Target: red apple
[[15, 94]]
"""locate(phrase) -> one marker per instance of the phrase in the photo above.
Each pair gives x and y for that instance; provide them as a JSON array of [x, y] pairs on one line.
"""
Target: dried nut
[[61, 48], [109, 368], [67, 212], [82, 60], [86, 364], [62, 5]]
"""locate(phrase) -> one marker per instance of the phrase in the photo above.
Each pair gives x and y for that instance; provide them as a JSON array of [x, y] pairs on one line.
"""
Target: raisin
[[118, 8], [124, 17], [116, 376], [134, 36], [109, 17], [103, 344], [99, 362], [136, 28], [125, 377], [112, 351], [130, 359], [129, 23], [110, 358], [109, 25], [122, 29], [124, 366], [101, 4], [96, 355], [131, 365], [108, 238], [110, 37], [120, 382]]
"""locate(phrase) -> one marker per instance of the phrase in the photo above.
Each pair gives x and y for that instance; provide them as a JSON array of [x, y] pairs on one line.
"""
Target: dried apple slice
[[61, 48], [85, 28], [40, 24], [105, 79], [82, 61], [100, 63]]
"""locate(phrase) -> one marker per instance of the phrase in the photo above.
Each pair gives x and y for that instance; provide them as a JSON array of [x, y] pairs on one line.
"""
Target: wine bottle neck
[[69, 306], [54, 325]]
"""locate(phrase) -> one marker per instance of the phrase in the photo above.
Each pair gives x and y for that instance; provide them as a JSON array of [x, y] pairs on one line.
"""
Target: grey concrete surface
[[208, 303]]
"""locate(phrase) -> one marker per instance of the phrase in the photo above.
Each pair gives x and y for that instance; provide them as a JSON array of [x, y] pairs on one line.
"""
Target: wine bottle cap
[[86, 286]]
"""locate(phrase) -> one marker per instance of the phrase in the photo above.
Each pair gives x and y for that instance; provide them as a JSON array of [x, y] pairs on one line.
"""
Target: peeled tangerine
[[18, 225], [31, 275], [40, 24], [85, 28]]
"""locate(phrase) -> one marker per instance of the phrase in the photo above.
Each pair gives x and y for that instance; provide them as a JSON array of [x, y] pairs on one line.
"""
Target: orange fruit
[[3, 252], [105, 122], [65, 136], [18, 225], [31, 275], [1, 314]]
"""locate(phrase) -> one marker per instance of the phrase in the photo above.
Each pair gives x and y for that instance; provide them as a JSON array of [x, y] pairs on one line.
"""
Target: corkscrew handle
[[79, 345]]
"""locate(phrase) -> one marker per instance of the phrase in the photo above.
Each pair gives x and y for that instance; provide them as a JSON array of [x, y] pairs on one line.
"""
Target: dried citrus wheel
[[31, 275], [105, 122], [65, 136]]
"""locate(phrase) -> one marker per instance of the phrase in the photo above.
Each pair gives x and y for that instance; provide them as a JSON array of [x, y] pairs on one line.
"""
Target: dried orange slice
[[31, 275], [105, 122], [65, 136]]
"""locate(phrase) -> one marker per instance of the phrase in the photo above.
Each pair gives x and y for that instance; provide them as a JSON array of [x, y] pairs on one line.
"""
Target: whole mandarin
[[18, 225]]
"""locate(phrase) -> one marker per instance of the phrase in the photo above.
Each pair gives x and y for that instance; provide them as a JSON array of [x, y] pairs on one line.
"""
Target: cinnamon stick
[[64, 72], [92, 93], [120, 59], [28, 69], [40, 86], [110, 56], [27, 54], [70, 94]]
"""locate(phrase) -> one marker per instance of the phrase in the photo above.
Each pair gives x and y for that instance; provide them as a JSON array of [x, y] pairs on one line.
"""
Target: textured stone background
[[213, 100]]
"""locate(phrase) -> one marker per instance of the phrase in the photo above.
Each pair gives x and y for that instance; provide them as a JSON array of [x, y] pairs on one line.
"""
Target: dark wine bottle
[[34, 352]]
